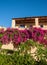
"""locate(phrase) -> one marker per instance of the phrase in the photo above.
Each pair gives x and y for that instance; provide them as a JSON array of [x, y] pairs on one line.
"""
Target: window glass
[[41, 25], [22, 26]]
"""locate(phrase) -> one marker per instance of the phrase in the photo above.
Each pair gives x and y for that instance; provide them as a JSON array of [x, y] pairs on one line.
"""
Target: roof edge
[[28, 17]]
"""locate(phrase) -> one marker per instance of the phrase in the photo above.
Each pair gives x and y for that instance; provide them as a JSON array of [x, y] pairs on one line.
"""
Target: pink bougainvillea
[[24, 35], [18, 36]]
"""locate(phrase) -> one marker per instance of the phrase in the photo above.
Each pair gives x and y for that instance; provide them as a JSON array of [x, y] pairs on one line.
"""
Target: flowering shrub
[[25, 55], [38, 34], [24, 35], [1, 35], [18, 36]]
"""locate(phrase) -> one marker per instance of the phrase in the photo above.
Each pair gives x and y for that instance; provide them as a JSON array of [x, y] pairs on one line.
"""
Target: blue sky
[[20, 8]]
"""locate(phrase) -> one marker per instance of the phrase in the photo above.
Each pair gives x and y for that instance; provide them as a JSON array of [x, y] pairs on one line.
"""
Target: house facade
[[27, 22]]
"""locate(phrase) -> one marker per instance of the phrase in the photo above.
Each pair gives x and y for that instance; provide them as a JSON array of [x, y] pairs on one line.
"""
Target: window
[[22, 26], [41, 26]]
